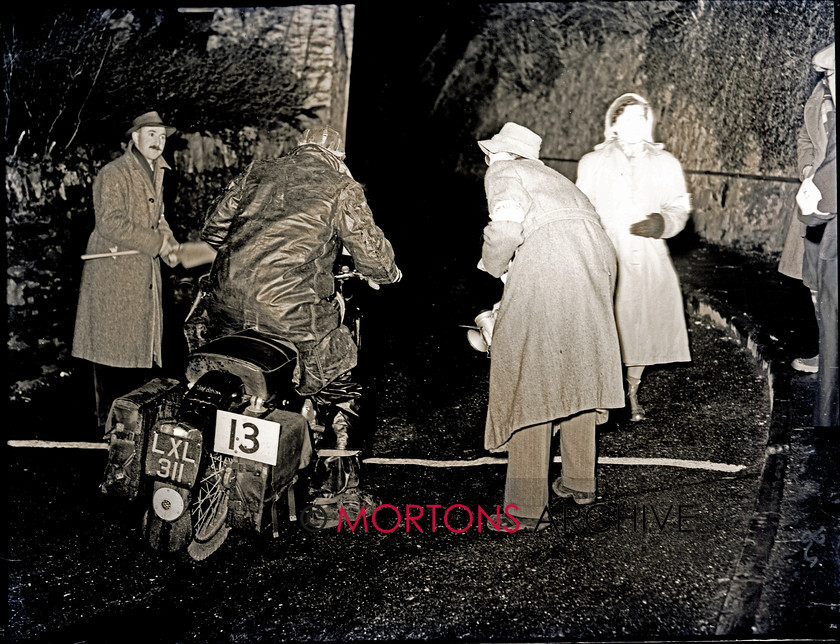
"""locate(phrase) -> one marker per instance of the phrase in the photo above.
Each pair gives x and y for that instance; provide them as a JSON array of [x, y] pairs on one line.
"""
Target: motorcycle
[[228, 447]]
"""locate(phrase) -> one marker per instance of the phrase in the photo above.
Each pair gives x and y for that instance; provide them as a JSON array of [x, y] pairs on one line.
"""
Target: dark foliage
[[58, 57], [101, 68], [754, 110], [74, 79]]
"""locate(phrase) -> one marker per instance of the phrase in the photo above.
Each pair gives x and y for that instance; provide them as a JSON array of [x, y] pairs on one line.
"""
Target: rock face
[[727, 81]]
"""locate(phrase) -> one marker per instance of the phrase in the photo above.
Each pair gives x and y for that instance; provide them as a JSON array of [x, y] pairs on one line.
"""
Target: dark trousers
[[826, 405], [811, 256], [110, 383], [340, 402]]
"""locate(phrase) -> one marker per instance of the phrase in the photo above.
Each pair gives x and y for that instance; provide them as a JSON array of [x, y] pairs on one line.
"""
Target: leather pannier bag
[[129, 421], [257, 487]]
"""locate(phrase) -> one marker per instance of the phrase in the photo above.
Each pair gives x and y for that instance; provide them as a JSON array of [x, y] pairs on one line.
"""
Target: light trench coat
[[554, 348], [648, 301], [119, 319], [810, 151]]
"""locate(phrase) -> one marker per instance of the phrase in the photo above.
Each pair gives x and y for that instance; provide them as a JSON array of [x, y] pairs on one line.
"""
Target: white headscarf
[[610, 133]]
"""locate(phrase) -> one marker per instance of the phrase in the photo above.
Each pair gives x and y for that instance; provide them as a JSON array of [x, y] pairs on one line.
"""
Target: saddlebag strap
[[275, 523], [290, 495], [290, 499]]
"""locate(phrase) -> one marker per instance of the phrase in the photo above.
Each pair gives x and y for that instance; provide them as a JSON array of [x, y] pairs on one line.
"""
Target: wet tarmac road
[[79, 571]]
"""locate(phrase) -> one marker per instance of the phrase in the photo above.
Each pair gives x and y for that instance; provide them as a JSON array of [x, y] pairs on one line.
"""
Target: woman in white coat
[[640, 194]]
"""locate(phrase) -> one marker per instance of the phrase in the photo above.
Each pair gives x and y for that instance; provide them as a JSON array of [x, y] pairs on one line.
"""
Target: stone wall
[[318, 38], [727, 81]]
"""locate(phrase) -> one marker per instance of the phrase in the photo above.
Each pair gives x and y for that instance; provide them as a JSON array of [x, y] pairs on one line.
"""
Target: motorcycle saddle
[[265, 364]]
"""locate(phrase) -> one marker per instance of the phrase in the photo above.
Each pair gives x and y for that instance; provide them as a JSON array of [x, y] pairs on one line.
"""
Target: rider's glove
[[375, 286]]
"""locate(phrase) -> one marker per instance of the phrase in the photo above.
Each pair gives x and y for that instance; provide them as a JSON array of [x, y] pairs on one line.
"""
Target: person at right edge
[[800, 254], [817, 201], [639, 191]]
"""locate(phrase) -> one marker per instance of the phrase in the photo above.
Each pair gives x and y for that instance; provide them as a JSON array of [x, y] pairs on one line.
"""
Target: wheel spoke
[[210, 507]]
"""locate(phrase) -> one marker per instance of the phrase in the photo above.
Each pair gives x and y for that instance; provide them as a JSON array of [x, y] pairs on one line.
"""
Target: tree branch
[[90, 91]]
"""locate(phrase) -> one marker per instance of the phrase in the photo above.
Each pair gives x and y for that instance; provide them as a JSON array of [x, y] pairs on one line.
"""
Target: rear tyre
[[210, 507]]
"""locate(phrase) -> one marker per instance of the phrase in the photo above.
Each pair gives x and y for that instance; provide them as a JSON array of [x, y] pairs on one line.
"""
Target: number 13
[[250, 437]]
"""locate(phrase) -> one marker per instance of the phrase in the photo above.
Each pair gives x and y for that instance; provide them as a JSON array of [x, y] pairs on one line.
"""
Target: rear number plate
[[174, 458]]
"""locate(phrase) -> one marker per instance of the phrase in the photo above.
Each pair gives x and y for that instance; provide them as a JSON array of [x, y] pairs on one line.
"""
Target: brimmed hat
[[515, 139], [149, 119], [823, 60]]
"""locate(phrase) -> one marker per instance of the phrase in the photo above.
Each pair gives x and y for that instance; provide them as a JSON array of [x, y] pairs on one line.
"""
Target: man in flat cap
[[119, 319]]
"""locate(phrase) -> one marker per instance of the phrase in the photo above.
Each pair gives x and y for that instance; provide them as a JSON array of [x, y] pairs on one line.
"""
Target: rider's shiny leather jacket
[[278, 229]]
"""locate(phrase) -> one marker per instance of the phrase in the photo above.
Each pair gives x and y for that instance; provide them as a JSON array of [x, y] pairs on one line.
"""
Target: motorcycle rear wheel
[[210, 507]]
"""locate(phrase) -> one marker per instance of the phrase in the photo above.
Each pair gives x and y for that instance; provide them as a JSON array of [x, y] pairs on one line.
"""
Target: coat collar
[[160, 162], [317, 151], [645, 148]]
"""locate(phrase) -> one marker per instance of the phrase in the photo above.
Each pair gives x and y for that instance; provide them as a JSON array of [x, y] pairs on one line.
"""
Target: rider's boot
[[337, 466], [335, 483]]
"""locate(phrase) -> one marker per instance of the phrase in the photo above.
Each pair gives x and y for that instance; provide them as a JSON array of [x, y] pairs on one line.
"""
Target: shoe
[[328, 512], [526, 524], [808, 365], [637, 412], [581, 498]]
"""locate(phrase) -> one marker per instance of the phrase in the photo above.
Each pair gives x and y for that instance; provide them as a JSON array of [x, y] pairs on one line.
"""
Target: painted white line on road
[[670, 462], [59, 444], [426, 462], [604, 460]]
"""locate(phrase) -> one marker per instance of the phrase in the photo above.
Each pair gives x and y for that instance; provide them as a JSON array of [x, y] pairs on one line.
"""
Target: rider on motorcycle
[[277, 230]]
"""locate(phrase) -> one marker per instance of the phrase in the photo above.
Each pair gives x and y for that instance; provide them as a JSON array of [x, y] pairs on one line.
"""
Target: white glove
[[808, 197]]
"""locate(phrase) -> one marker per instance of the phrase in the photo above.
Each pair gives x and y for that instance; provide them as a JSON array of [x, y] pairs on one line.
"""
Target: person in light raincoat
[[555, 359], [639, 191], [817, 201], [801, 253]]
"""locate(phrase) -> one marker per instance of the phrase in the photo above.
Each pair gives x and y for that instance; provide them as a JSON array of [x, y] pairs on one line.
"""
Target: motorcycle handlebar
[[347, 274]]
